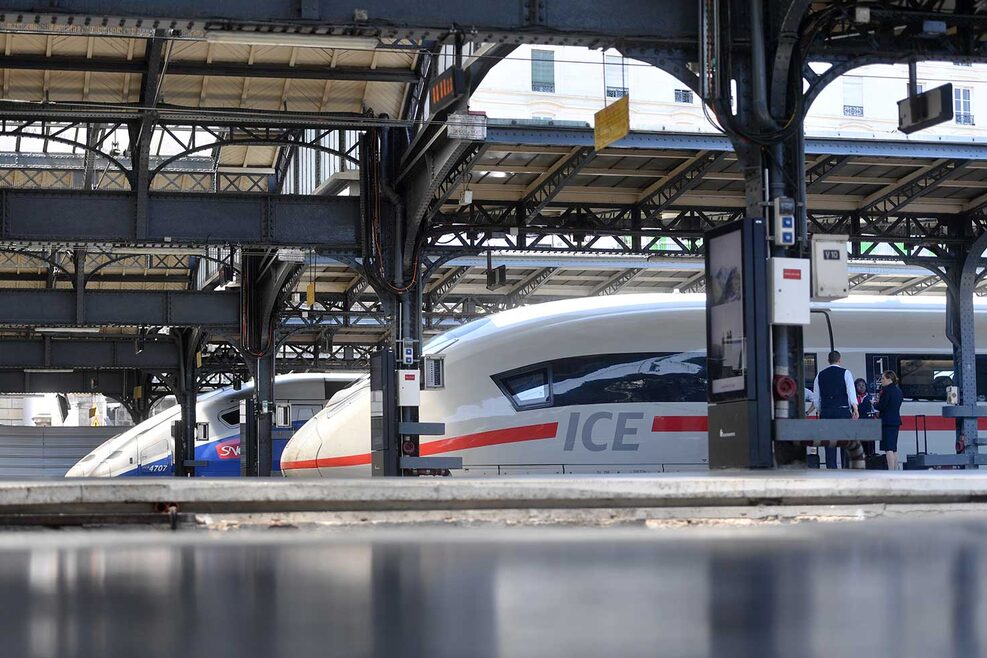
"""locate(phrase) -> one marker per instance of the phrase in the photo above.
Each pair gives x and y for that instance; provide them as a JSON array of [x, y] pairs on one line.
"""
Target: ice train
[[146, 449], [617, 384]]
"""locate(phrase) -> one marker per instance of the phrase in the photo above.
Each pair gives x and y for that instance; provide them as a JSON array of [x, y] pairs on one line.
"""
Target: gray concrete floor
[[874, 588]]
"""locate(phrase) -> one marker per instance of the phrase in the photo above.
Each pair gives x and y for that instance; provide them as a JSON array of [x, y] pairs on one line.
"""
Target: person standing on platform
[[834, 396], [889, 406], [866, 410]]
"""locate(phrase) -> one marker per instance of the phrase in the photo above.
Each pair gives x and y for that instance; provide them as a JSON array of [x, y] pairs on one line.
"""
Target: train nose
[[300, 452], [82, 469]]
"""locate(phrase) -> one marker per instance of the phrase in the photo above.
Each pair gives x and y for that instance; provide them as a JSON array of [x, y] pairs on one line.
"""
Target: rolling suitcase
[[910, 464]]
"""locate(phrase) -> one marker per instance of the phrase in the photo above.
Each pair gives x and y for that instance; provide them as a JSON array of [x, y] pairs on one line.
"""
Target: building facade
[[571, 84]]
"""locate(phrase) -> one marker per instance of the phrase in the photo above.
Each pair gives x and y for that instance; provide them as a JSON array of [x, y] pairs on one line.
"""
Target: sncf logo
[[228, 449]]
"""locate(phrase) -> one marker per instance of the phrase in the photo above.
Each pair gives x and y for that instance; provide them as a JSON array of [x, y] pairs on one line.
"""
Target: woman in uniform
[[866, 409], [889, 406]]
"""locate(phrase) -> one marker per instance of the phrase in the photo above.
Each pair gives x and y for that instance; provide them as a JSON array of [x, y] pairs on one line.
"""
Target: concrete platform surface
[[861, 589], [672, 490]]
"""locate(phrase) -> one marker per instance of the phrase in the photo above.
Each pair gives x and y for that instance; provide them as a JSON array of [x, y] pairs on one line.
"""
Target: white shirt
[[851, 390]]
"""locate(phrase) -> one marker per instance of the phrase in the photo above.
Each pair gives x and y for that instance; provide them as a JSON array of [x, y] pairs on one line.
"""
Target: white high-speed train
[[146, 449], [617, 384]]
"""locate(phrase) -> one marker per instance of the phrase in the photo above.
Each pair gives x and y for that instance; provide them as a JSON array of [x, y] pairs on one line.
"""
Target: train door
[[288, 418], [876, 365], [281, 432], [153, 456]]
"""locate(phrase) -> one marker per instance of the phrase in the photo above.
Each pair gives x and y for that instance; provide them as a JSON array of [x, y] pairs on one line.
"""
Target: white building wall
[[579, 93]]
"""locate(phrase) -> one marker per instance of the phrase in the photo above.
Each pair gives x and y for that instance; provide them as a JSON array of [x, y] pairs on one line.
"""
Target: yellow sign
[[310, 294], [138, 392], [611, 123]]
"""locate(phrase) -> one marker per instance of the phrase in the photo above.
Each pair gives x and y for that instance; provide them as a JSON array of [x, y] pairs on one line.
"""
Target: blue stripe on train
[[222, 457]]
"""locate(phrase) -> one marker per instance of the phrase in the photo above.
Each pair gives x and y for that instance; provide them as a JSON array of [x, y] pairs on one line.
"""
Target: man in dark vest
[[834, 396]]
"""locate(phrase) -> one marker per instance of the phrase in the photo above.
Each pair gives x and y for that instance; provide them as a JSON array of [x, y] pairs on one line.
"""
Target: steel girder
[[528, 286], [917, 285], [116, 384], [56, 308], [443, 287], [892, 199], [665, 192], [540, 193], [616, 283], [79, 217], [212, 69], [521, 21], [858, 280], [822, 168], [81, 353]]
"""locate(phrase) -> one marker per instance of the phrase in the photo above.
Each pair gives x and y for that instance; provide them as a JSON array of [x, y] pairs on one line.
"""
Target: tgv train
[[618, 384], [146, 449]]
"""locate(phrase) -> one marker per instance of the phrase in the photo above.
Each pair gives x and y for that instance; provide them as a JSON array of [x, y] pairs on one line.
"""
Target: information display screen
[[726, 342]]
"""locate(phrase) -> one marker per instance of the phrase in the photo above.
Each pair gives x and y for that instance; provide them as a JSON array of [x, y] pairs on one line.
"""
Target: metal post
[[186, 390], [961, 333], [264, 393], [248, 438]]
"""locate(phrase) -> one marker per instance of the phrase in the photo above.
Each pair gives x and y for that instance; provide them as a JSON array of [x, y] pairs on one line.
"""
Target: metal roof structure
[[140, 154]]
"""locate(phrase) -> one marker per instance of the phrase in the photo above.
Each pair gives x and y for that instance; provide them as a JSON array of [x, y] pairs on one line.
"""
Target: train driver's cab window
[[231, 417], [608, 379], [528, 389], [153, 452], [925, 378]]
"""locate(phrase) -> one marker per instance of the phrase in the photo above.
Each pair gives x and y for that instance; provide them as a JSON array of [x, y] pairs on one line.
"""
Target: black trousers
[[834, 413]]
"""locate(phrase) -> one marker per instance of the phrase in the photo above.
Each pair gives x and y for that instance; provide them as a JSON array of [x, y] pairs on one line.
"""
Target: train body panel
[[146, 449], [613, 385]]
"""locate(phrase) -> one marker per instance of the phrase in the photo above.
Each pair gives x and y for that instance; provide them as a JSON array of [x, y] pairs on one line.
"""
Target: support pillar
[[266, 282], [264, 410], [961, 281], [766, 131], [186, 391], [394, 265], [248, 438]]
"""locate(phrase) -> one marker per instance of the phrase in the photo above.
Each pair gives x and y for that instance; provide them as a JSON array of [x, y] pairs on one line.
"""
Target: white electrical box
[[830, 270], [789, 280], [409, 391], [952, 395]]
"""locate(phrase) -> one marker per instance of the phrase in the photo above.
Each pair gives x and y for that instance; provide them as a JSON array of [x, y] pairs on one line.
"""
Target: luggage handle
[[925, 434]]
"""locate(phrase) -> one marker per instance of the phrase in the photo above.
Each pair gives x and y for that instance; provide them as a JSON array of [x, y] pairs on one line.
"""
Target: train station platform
[[587, 500], [884, 588]]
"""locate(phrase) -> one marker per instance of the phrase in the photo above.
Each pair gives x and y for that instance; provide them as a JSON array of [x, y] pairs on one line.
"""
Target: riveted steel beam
[[665, 192], [893, 198], [56, 308], [616, 283]]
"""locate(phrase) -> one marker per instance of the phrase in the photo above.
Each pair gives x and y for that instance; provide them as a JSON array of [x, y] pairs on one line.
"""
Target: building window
[[963, 105], [683, 96], [853, 97], [615, 76], [543, 71]]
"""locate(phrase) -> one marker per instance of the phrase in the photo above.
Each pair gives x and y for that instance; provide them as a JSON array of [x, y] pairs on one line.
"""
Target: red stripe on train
[[491, 438], [935, 423], [679, 424], [550, 431], [478, 440]]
